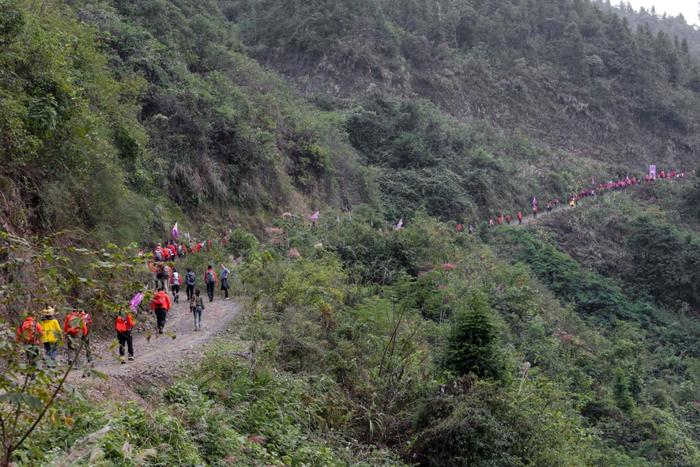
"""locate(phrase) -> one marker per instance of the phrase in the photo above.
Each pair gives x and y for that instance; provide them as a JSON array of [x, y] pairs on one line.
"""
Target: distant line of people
[[575, 198]]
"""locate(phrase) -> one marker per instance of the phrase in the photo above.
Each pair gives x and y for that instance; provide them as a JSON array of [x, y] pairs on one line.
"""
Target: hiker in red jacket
[[160, 306], [76, 327], [124, 323], [520, 217], [29, 334], [173, 250], [508, 219]]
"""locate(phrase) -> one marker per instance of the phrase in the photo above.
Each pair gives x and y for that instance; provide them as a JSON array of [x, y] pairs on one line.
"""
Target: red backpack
[[159, 301], [124, 323], [29, 331]]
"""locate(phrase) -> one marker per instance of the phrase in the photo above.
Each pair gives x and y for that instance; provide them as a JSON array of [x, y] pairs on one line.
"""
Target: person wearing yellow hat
[[51, 334]]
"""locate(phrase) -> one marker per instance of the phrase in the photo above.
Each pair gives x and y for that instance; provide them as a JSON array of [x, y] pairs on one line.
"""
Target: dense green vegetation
[[571, 341], [143, 113], [421, 345]]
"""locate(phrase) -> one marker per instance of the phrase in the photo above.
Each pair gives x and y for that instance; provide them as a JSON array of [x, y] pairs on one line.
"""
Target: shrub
[[472, 346]]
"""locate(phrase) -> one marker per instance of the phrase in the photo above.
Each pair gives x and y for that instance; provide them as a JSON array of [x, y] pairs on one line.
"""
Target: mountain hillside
[[412, 319]]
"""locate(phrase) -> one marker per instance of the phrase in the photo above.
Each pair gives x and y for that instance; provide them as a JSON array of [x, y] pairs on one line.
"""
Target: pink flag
[[136, 301], [314, 217], [534, 201], [175, 232]]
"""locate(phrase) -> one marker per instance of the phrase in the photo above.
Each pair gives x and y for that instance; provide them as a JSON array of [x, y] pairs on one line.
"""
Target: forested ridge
[[381, 330]]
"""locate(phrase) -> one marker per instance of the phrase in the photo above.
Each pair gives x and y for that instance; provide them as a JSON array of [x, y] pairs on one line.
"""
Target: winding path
[[160, 355]]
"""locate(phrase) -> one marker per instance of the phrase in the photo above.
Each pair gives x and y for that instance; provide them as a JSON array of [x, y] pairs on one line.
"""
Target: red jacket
[[77, 322], [124, 324], [160, 300], [29, 332]]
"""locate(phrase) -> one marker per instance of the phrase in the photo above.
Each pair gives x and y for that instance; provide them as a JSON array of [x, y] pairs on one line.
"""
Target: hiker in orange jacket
[[520, 217], [29, 334], [76, 327], [124, 323], [160, 306]]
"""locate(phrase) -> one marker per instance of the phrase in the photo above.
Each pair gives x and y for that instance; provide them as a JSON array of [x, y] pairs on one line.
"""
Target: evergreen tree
[[472, 346]]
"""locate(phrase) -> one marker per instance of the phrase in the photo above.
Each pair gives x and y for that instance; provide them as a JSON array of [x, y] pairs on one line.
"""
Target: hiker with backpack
[[159, 276], [158, 253], [190, 279], [166, 276], [197, 306], [29, 334], [224, 281], [160, 306], [76, 327], [175, 281], [51, 335], [210, 281], [123, 324]]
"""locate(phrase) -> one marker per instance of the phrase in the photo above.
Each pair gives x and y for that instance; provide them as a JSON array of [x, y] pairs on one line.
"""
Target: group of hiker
[[77, 325], [173, 249], [575, 198], [75, 334]]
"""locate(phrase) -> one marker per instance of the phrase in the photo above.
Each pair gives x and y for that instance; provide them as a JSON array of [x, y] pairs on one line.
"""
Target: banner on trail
[[652, 171], [136, 301], [534, 202], [314, 217], [399, 224], [175, 232]]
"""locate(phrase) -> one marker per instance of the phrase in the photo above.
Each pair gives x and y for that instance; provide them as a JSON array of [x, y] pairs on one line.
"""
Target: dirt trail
[[159, 355], [533, 220]]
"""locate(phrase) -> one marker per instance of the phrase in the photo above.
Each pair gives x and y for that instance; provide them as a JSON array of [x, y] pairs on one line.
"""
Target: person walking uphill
[[29, 334], [51, 335], [190, 279], [124, 323], [160, 306], [224, 281], [210, 281], [175, 282], [76, 327], [197, 306]]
